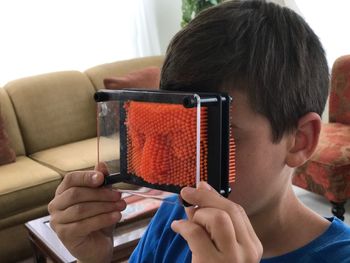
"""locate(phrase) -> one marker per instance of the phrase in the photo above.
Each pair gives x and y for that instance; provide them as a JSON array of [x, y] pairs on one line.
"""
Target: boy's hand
[[218, 230], [83, 215]]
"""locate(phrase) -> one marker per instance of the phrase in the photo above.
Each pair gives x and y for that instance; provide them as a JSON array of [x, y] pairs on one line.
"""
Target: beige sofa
[[50, 120]]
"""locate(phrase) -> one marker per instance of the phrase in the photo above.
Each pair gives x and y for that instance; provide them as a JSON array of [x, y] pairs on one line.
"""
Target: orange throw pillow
[[147, 78], [7, 155]]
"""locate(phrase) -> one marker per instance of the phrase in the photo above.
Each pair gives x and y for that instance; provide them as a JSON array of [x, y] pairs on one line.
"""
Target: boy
[[273, 65]]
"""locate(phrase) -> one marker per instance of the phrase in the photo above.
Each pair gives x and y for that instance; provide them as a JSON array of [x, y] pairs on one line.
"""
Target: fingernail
[[120, 205], [94, 178], [188, 190], [207, 186], [175, 223], [116, 215]]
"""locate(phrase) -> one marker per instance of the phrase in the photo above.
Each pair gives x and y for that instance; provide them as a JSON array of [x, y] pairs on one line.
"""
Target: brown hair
[[266, 50]]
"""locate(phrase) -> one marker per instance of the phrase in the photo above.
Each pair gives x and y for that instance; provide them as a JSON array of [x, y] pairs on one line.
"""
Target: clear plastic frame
[[108, 140]]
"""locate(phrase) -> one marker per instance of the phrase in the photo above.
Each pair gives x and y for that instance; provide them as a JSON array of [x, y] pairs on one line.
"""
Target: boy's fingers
[[204, 198], [85, 210], [80, 179], [219, 226], [197, 238], [72, 231], [77, 195]]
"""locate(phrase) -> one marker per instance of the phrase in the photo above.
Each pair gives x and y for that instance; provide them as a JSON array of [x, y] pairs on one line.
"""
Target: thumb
[[80, 179], [190, 210]]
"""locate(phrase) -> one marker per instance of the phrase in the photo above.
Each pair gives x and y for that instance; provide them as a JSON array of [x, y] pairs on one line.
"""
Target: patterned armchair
[[328, 171]]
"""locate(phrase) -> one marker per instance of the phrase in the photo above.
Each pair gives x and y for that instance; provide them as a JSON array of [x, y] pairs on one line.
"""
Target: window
[[40, 36], [330, 20]]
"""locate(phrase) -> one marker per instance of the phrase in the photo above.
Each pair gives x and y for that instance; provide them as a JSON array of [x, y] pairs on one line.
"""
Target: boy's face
[[261, 173]]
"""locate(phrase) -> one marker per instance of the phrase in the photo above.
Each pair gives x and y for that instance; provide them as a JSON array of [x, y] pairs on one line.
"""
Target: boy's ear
[[304, 141]]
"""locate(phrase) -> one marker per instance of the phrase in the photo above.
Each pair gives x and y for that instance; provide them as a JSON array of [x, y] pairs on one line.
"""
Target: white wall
[[330, 20]]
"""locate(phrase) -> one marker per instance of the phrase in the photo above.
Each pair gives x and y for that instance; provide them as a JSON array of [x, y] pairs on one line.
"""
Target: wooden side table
[[46, 244]]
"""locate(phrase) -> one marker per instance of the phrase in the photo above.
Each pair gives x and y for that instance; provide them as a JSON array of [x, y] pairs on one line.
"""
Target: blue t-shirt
[[161, 244]]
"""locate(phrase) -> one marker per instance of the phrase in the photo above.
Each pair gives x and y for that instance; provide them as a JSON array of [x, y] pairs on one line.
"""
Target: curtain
[[146, 29]]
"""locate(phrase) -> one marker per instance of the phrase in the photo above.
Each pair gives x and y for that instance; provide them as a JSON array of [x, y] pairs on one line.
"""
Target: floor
[[315, 202]]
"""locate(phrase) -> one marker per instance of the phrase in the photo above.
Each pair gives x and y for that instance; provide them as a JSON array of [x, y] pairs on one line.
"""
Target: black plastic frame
[[218, 105]]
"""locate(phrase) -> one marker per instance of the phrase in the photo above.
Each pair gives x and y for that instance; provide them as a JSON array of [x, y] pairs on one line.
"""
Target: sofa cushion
[[7, 155], [24, 185], [54, 109], [121, 68], [78, 156], [147, 78], [10, 123]]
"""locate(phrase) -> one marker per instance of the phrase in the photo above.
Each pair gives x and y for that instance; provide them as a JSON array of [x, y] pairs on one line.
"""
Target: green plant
[[190, 8]]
